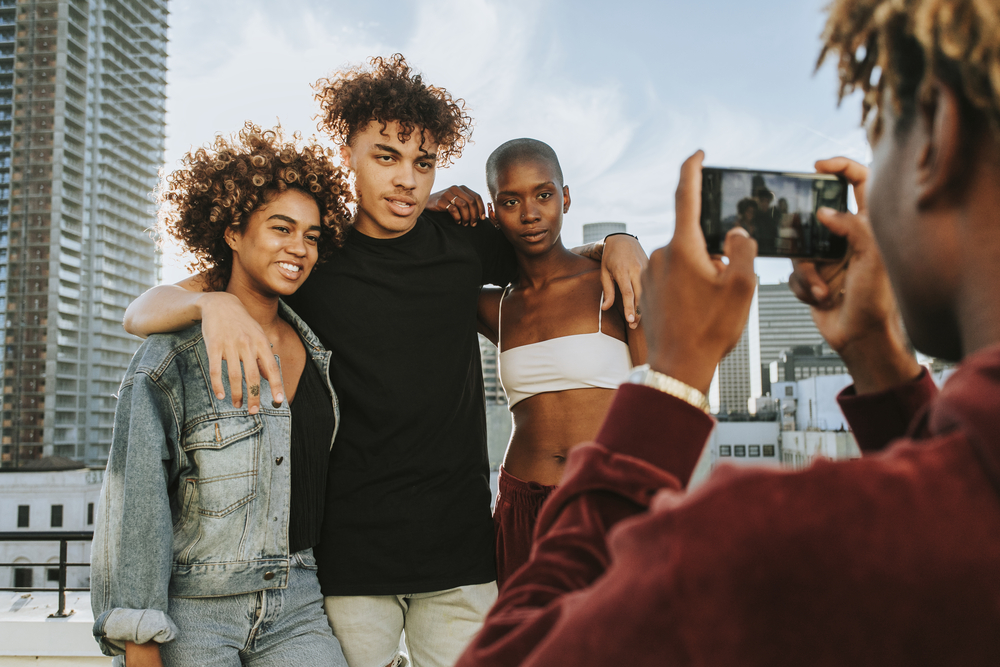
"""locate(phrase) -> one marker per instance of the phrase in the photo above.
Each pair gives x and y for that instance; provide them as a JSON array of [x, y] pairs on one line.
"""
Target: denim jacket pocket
[[223, 454]]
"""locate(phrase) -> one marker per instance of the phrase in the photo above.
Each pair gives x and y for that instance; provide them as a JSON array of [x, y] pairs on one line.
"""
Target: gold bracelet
[[646, 376]]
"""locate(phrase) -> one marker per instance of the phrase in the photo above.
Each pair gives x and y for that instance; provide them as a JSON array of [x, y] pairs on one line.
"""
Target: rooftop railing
[[63, 538]]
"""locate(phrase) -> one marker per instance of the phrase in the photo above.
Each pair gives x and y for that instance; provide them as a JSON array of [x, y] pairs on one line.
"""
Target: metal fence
[[63, 538]]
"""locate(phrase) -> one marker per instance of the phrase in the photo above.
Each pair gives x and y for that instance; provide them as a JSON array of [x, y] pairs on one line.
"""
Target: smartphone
[[777, 208]]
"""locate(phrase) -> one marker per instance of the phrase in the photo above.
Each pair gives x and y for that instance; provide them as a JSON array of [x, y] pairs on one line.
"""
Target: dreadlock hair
[[901, 45], [389, 90]]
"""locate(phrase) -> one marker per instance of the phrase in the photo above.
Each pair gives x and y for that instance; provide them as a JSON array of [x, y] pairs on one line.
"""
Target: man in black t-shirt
[[407, 533]]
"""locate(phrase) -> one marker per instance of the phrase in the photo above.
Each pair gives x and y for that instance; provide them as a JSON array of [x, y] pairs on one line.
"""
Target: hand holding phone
[[778, 209]]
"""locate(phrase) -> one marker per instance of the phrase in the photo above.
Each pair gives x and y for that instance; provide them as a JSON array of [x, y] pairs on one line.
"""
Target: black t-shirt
[[408, 498]]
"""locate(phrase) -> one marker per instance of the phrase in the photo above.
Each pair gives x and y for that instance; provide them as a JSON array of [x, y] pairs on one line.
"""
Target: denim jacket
[[196, 494]]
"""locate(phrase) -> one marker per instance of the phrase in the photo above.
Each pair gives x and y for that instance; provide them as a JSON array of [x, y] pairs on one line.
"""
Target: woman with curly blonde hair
[[208, 515]]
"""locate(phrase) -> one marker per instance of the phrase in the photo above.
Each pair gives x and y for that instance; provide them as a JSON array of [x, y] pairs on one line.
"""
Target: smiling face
[[278, 247], [529, 202], [393, 179]]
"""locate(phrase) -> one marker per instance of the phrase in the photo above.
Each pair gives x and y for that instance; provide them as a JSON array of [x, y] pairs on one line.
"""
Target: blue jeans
[[268, 628]]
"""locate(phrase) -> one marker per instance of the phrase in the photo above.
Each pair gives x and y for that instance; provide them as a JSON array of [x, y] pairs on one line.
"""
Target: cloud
[[620, 137]]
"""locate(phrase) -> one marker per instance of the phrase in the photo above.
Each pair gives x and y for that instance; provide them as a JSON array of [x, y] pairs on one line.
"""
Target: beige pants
[[436, 627]]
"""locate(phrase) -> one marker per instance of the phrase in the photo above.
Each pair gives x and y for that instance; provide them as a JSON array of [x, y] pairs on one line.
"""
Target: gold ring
[[454, 198]]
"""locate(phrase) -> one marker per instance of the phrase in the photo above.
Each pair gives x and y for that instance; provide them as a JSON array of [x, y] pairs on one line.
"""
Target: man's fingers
[[272, 373], [687, 203], [608, 285], [235, 377], [741, 251], [855, 173], [215, 374], [477, 206], [253, 387], [806, 283], [629, 303], [846, 224]]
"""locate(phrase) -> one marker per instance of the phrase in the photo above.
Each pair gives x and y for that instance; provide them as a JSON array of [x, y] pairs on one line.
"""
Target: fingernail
[[279, 397], [818, 293], [238, 404], [825, 210], [220, 396], [254, 409], [631, 318], [482, 217]]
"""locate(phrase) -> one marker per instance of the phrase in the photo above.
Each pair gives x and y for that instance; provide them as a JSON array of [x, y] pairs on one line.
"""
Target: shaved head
[[516, 151]]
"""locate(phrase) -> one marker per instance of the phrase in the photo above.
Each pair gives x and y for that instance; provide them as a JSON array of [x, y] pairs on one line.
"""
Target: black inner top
[[408, 496], [312, 429]]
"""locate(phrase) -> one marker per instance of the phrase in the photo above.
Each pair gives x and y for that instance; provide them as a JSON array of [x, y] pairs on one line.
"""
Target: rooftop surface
[[29, 636]]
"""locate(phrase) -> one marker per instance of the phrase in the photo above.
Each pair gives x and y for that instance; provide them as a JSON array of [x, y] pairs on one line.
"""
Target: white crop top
[[580, 361]]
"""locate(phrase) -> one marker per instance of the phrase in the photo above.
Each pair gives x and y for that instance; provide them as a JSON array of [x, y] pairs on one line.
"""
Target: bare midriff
[[547, 426]]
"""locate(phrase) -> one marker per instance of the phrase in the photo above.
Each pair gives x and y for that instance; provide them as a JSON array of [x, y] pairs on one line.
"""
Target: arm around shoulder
[[167, 308]]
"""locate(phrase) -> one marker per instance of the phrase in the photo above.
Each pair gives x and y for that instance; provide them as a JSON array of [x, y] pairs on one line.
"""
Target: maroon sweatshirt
[[893, 559]]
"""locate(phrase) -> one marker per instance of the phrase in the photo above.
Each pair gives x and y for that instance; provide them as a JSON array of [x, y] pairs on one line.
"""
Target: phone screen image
[[778, 209]]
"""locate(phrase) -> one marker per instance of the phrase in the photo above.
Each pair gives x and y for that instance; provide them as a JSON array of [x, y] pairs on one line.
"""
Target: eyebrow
[[540, 186], [389, 149]]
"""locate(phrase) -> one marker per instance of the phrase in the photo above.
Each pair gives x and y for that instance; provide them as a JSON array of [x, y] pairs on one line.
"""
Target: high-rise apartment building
[[735, 388], [595, 231], [82, 93], [785, 322]]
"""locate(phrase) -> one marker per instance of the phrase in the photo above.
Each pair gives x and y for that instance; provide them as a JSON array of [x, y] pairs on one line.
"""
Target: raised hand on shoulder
[[464, 204], [852, 301], [231, 334]]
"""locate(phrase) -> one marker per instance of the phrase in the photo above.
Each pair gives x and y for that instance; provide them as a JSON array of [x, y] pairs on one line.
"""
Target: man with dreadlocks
[[890, 560]]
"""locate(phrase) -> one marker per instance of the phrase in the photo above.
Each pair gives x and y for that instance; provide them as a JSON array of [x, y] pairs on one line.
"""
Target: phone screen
[[778, 209]]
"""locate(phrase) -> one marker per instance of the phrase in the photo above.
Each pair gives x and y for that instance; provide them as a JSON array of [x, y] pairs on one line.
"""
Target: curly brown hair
[[391, 91], [906, 43], [220, 185]]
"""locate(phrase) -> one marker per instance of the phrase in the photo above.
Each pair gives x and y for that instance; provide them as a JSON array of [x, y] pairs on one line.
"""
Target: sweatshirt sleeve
[[878, 419], [649, 441], [133, 536]]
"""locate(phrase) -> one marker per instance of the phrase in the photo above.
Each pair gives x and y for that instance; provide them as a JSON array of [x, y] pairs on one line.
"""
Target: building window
[[725, 450], [788, 391], [769, 450], [754, 450], [23, 577], [56, 516], [23, 516], [90, 512], [52, 574], [739, 450]]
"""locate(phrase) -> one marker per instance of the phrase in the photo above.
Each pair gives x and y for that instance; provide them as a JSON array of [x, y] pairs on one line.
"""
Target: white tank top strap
[[600, 312]]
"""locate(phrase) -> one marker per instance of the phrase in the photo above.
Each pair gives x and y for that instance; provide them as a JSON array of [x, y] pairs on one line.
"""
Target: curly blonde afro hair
[[220, 185], [900, 45], [389, 90]]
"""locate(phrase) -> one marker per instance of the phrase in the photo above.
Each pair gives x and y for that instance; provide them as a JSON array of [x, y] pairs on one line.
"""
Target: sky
[[623, 91]]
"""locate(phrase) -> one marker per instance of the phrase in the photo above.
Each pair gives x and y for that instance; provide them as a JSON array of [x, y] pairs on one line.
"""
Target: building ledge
[[31, 637]]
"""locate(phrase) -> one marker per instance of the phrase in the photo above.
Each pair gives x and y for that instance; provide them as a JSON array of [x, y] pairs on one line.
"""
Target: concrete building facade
[[85, 91], [43, 499]]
